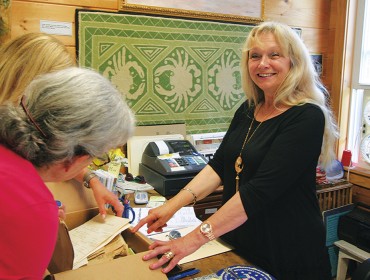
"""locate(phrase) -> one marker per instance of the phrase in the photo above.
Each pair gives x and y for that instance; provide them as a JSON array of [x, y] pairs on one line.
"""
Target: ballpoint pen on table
[[184, 273]]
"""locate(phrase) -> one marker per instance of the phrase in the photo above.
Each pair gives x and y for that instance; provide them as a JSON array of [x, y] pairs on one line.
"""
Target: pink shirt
[[28, 219]]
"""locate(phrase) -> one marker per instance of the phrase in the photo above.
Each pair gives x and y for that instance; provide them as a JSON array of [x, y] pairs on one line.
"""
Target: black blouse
[[284, 233]]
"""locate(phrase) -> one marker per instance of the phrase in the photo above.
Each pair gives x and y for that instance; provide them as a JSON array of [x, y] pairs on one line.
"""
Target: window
[[359, 125], [361, 74]]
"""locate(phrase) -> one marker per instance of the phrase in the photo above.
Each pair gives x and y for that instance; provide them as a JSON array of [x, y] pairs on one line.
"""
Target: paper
[[162, 147], [214, 247], [93, 235], [133, 186], [183, 218], [155, 201], [154, 204]]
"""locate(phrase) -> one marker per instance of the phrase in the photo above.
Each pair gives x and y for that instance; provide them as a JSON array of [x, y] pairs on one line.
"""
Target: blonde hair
[[301, 85], [24, 58]]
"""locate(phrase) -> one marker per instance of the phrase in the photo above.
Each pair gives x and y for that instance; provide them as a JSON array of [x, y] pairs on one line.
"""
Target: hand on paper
[[103, 195], [180, 248], [156, 219]]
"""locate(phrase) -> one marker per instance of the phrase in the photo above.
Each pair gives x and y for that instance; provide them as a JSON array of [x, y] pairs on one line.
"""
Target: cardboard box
[[130, 267], [80, 207]]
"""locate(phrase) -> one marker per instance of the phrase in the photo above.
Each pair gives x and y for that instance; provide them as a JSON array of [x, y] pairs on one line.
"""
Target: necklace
[[239, 160]]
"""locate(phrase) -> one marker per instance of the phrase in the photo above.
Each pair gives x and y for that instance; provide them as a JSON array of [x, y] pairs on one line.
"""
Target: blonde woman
[[267, 165], [24, 58]]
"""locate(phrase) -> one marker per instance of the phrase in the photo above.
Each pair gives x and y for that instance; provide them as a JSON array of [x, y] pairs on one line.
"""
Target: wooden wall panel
[[26, 16], [310, 13], [361, 194], [105, 4], [360, 177], [315, 39]]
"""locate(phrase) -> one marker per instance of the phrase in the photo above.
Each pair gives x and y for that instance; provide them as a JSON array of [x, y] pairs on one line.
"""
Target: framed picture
[[244, 11], [317, 62]]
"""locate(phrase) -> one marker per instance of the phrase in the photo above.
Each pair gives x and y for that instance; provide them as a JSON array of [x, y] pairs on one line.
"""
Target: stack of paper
[[183, 218], [126, 186], [114, 249], [93, 235], [106, 178]]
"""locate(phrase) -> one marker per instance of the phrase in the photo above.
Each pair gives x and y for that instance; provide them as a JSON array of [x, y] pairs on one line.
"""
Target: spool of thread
[[346, 158]]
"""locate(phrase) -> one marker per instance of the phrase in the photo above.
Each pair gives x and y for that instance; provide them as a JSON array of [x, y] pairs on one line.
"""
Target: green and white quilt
[[170, 70]]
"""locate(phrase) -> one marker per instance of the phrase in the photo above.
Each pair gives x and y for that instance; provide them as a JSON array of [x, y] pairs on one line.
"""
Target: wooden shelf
[[358, 176]]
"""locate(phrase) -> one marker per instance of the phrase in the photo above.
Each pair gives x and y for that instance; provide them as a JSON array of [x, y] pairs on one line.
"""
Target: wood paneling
[[310, 13], [360, 177], [105, 4], [361, 194], [26, 16]]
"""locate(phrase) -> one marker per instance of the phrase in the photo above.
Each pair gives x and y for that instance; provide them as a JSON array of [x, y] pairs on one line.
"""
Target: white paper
[[133, 186], [56, 27], [94, 234], [183, 218], [162, 147]]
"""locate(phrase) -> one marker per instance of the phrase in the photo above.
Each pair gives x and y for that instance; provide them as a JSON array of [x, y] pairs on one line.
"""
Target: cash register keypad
[[182, 161]]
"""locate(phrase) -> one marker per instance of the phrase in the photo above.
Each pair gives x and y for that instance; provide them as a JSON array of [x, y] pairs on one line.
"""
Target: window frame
[[359, 35]]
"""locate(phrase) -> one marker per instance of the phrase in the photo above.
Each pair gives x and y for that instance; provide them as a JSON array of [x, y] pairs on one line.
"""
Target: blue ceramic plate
[[243, 272]]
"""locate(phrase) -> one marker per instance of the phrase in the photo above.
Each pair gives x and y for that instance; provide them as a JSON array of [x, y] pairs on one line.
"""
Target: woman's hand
[[157, 218], [103, 195], [173, 251], [62, 212]]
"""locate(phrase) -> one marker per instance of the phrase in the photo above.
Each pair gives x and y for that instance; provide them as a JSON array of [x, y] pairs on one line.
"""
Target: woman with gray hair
[[64, 120]]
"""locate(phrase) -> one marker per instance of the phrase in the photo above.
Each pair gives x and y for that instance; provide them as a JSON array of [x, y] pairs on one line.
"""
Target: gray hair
[[79, 111]]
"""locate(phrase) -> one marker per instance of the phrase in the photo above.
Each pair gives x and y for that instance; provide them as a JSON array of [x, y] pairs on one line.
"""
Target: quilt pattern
[[170, 70]]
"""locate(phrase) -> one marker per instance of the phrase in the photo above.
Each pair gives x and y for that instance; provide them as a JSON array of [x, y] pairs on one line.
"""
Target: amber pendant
[[239, 164]]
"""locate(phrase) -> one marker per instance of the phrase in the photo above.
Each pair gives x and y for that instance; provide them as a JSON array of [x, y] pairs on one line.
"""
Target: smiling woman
[[267, 165], [267, 64]]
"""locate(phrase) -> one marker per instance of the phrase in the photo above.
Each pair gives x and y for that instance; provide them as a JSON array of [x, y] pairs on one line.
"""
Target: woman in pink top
[[64, 119]]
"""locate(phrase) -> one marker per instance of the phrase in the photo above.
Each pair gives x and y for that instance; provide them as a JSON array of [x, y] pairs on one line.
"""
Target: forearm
[[230, 216], [227, 218], [204, 183], [93, 183]]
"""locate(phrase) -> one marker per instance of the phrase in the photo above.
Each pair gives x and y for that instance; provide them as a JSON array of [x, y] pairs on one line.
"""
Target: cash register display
[[171, 157]]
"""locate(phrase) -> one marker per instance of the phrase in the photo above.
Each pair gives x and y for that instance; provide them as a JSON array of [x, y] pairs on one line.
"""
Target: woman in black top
[[267, 165]]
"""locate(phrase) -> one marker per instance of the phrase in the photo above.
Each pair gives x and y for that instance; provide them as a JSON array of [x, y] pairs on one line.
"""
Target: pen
[[184, 274]]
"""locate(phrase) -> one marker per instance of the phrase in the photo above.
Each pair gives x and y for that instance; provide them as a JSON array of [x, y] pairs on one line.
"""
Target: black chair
[[362, 272]]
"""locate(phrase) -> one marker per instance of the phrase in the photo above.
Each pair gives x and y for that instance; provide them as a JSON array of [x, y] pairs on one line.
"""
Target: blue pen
[[184, 274], [59, 204]]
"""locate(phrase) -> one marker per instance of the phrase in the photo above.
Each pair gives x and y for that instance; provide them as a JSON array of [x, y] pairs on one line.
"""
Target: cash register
[[168, 165]]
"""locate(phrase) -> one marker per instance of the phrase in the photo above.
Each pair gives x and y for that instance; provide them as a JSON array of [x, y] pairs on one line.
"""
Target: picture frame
[[202, 9]]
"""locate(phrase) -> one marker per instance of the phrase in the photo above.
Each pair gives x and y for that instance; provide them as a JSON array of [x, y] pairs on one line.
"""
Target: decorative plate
[[365, 148], [243, 272], [367, 113]]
